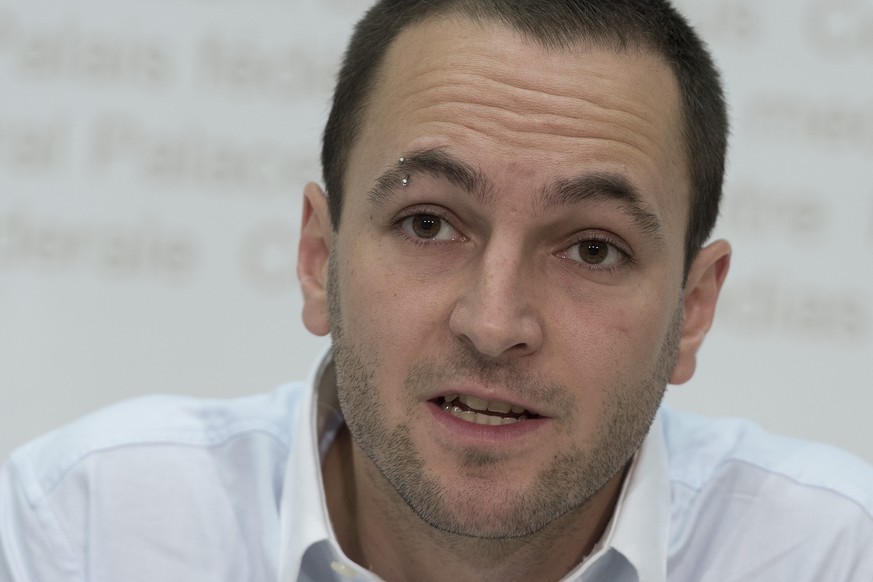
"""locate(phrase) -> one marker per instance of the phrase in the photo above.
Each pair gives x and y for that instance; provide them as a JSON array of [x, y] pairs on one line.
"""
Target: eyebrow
[[602, 187], [436, 163]]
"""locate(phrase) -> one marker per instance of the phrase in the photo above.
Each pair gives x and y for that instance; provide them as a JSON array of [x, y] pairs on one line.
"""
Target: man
[[509, 257]]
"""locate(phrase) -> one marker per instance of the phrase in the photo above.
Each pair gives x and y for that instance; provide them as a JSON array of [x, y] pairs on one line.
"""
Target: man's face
[[527, 253]]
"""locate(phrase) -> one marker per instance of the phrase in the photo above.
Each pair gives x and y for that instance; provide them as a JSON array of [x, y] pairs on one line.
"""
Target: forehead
[[524, 113]]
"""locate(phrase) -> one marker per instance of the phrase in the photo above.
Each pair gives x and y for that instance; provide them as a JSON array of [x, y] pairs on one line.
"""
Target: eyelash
[[627, 258], [397, 225]]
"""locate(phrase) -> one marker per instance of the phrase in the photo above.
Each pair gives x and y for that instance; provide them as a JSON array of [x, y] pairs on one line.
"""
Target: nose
[[497, 310]]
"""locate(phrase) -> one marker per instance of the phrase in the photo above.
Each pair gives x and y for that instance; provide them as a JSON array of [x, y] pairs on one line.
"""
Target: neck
[[378, 530]]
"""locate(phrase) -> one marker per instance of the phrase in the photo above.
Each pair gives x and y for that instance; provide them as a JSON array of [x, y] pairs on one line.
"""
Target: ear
[[705, 279], [313, 254]]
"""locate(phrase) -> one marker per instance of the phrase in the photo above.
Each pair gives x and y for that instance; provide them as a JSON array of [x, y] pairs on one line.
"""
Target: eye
[[428, 227], [596, 253]]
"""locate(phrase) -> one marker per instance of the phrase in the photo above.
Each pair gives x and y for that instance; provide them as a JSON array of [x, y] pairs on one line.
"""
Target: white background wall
[[152, 156]]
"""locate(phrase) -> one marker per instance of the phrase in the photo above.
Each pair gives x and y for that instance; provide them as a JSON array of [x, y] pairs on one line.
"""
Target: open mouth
[[478, 411]]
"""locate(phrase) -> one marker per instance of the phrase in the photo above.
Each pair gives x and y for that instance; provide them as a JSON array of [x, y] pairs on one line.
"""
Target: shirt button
[[343, 569]]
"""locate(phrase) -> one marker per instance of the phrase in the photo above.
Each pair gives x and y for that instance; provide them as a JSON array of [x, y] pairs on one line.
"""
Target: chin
[[486, 506]]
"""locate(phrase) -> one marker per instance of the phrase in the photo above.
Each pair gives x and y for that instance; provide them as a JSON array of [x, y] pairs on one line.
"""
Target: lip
[[483, 435], [491, 395]]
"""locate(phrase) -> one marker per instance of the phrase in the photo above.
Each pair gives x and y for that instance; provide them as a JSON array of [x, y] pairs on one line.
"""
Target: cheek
[[388, 307], [615, 340]]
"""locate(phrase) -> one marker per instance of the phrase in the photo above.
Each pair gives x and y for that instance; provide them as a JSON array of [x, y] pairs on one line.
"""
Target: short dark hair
[[555, 24]]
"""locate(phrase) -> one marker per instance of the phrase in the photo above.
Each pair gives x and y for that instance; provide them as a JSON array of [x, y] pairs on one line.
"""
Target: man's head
[[627, 25], [508, 288]]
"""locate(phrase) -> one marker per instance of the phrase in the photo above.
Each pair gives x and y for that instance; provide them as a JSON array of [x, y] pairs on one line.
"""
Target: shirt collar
[[637, 532], [304, 520], [639, 527]]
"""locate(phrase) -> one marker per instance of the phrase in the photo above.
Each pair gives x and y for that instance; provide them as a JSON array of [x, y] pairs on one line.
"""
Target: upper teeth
[[479, 404], [474, 403]]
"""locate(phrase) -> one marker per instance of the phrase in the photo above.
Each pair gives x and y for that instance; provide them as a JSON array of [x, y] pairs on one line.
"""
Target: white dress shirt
[[176, 489]]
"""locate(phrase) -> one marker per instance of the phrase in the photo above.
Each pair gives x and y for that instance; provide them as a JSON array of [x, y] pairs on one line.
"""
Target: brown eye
[[429, 227], [593, 252], [596, 254], [426, 225]]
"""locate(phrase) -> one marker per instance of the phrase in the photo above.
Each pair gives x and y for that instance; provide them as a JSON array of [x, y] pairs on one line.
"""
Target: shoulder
[[161, 420], [703, 449], [747, 501], [149, 474]]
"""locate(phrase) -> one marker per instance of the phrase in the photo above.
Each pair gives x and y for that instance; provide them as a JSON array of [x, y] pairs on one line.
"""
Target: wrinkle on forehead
[[455, 65], [527, 130], [522, 106], [483, 78]]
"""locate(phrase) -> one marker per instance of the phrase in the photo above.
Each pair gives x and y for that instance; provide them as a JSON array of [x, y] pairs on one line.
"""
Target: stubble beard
[[566, 484]]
